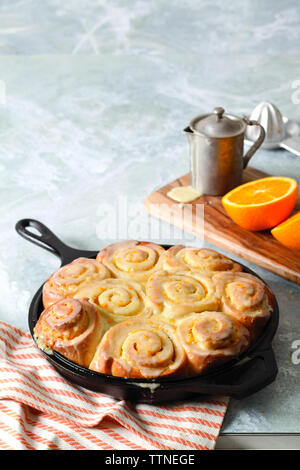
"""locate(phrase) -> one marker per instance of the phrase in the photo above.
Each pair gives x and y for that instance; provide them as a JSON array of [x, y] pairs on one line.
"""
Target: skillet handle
[[44, 238], [48, 240], [250, 376], [259, 372]]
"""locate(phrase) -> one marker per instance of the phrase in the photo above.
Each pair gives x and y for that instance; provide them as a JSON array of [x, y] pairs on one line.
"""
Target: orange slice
[[288, 233], [263, 203]]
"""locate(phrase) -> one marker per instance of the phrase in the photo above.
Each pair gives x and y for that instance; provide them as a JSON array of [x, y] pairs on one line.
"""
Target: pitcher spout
[[190, 134]]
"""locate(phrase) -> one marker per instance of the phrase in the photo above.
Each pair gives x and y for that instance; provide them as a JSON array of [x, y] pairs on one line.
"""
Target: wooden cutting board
[[259, 248]]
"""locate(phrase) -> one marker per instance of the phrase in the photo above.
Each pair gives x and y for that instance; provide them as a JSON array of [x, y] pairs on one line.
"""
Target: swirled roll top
[[176, 294], [211, 338], [182, 258], [246, 298], [140, 349], [132, 260], [67, 280], [71, 327], [116, 299]]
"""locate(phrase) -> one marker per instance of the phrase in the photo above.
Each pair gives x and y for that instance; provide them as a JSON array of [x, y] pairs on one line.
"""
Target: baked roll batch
[[140, 311]]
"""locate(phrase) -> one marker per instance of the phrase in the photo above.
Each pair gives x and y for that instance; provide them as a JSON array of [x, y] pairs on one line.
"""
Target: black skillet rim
[[263, 342]]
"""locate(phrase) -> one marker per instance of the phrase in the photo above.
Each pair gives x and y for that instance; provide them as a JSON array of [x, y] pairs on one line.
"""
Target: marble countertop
[[94, 96]]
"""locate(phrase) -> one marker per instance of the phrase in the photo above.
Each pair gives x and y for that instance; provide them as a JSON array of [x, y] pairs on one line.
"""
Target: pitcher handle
[[256, 144]]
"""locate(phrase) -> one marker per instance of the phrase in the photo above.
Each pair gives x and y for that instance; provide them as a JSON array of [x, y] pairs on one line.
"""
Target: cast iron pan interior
[[239, 378]]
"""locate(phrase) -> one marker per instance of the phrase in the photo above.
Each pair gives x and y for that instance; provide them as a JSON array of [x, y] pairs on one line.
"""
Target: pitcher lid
[[217, 124]]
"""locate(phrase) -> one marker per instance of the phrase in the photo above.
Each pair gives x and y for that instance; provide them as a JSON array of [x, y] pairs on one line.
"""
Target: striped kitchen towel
[[40, 410]]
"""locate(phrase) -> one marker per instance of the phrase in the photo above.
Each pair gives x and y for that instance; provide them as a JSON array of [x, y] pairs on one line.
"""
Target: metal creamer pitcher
[[216, 151]]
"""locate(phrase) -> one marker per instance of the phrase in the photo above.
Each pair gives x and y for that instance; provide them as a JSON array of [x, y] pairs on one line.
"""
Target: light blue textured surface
[[94, 97]]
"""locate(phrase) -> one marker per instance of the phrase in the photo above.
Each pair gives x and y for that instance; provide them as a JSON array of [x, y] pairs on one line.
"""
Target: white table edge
[[258, 441]]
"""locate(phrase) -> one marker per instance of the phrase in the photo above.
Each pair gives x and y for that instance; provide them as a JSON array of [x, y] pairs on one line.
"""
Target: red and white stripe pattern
[[40, 410]]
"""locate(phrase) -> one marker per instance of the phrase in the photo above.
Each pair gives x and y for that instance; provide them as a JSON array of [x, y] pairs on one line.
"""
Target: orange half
[[263, 203], [288, 233]]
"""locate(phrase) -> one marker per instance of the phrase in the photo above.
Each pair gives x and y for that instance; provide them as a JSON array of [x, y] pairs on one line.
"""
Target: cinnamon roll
[[72, 328], [245, 298], [182, 258], [132, 260], [116, 299], [67, 280], [211, 339], [176, 294], [140, 349]]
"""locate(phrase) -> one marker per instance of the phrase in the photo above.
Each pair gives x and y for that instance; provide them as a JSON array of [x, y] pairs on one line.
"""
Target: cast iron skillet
[[239, 378]]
